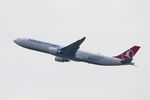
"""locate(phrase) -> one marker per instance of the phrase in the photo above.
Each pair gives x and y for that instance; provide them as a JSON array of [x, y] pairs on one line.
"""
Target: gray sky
[[111, 27]]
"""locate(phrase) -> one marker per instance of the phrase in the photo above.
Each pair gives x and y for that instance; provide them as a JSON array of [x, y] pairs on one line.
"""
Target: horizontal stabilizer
[[126, 61]]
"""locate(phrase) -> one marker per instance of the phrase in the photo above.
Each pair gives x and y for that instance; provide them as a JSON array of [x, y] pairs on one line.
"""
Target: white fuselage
[[79, 56]]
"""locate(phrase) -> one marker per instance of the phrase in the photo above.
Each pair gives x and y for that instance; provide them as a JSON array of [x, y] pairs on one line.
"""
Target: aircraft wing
[[71, 49]]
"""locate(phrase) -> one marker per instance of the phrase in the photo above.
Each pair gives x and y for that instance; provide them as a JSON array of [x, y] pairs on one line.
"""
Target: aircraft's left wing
[[71, 49]]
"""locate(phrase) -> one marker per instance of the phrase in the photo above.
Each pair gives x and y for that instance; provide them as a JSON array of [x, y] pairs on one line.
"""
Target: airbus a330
[[73, 53]]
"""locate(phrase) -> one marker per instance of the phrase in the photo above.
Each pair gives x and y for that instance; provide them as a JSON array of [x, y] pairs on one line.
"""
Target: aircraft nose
[[16, 41], [19, 41]]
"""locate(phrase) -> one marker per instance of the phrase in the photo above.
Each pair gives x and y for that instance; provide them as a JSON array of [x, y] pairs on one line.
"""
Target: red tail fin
[[129, 53]]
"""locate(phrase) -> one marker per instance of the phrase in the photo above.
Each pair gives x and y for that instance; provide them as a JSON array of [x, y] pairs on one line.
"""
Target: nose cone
[[17, 41], [20, 41]]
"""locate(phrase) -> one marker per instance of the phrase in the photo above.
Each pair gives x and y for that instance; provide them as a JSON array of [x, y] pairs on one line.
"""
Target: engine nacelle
[[53, 50], [59, 59]]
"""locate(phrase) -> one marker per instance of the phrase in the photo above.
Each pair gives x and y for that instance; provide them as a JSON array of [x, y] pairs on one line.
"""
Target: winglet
[[83, 38]]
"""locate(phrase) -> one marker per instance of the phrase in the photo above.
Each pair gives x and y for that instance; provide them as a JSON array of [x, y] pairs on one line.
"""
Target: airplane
[[72, 53]]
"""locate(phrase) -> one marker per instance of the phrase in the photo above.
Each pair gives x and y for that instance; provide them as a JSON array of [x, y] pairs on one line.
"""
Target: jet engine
[[59, 59]]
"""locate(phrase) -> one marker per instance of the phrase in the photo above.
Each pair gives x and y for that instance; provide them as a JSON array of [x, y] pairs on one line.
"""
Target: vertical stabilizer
[[129, 54]]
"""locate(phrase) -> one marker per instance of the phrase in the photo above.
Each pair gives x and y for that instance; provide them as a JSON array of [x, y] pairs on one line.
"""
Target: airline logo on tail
[[129, 53]]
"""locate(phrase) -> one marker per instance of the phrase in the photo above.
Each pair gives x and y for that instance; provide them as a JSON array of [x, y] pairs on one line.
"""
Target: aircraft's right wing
[[71, 49]]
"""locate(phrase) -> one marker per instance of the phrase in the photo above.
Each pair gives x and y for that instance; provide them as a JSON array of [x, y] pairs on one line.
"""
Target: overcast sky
[[111, 27]]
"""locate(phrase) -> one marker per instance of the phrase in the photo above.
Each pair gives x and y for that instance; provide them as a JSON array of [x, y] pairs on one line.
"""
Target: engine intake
[[59, 59]]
